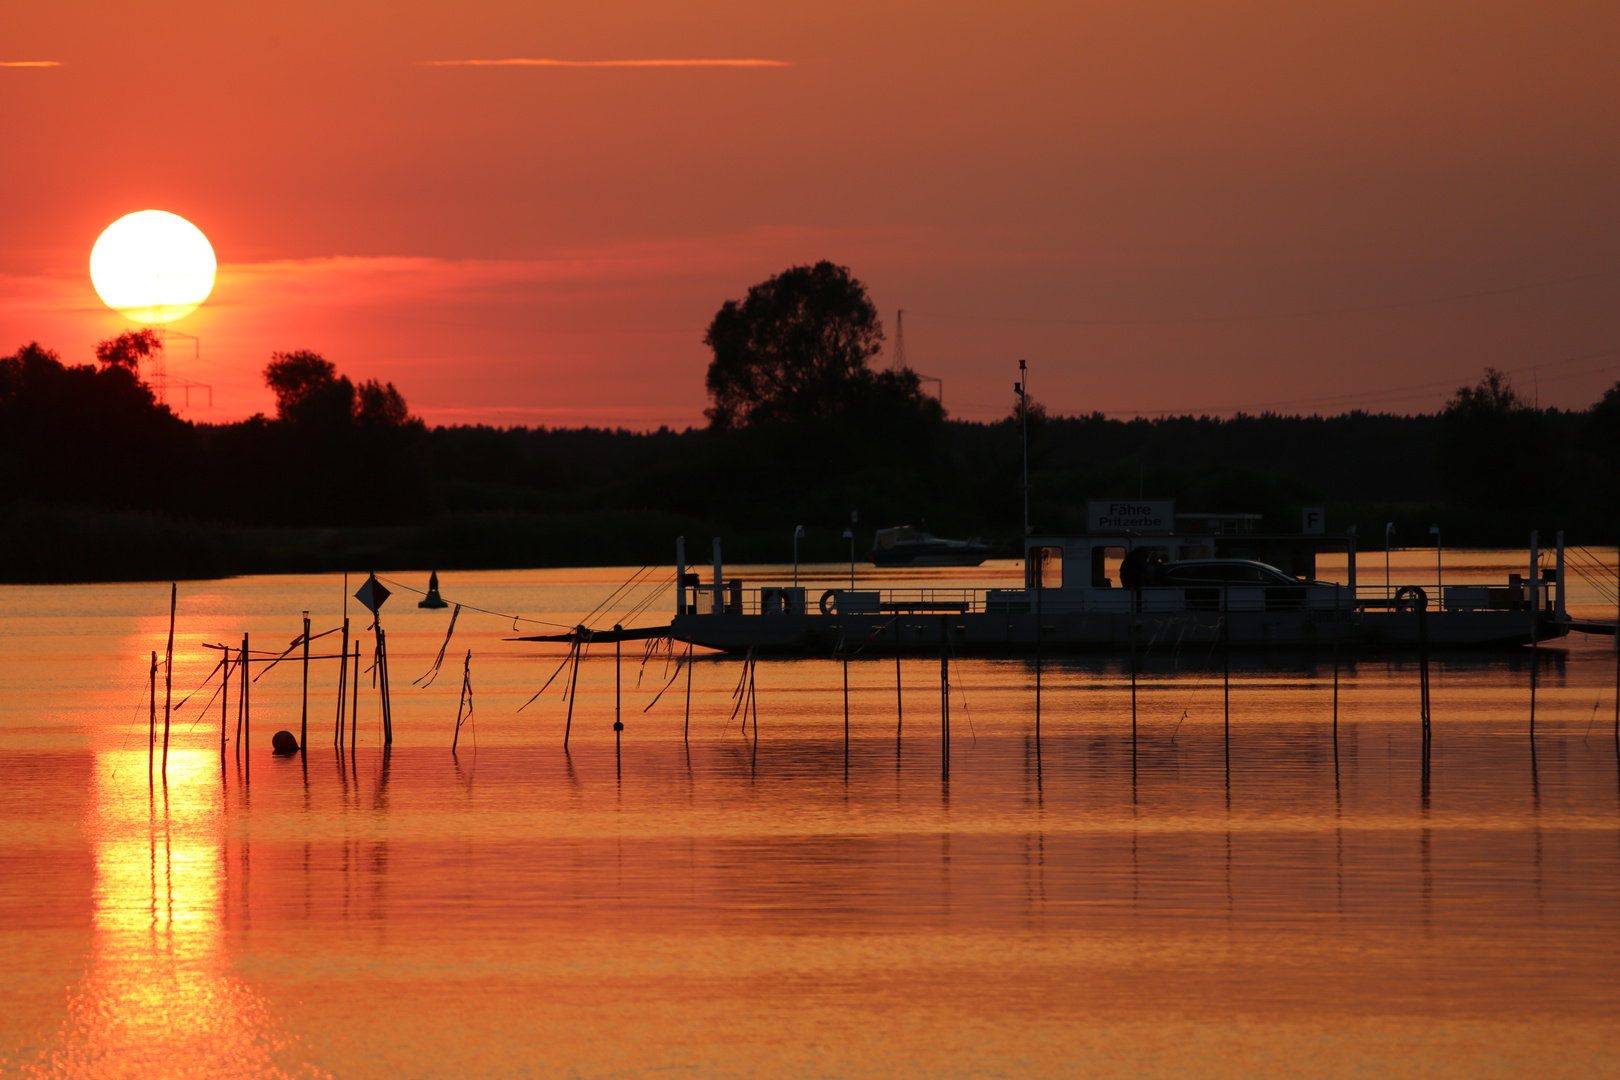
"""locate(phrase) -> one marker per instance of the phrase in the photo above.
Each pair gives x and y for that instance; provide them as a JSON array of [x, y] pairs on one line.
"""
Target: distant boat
[[906, 546]]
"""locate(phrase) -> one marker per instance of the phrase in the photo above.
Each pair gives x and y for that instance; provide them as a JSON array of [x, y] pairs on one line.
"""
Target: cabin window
[[1044, 567], [1105, 566]]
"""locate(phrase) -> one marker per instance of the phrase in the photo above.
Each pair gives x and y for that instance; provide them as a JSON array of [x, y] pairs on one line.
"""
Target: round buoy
[[284, 742], [617, 726]]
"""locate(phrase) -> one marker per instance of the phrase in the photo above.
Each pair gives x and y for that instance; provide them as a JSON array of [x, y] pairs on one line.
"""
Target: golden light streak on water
[[159, 998]]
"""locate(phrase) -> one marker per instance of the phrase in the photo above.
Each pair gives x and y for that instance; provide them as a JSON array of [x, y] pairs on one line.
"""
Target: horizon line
[[546, 62]]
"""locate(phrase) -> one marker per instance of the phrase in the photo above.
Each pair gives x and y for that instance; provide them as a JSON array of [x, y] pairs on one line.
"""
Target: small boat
[[906, 546]]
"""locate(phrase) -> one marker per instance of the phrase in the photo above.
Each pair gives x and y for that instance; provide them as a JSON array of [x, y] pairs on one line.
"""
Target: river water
[[715, 901]]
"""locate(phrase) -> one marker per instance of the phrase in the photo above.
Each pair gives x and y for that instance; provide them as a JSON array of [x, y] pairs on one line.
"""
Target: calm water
[[748, 906]]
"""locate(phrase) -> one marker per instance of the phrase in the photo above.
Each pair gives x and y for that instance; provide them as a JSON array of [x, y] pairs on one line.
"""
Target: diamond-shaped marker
[[372, 594]]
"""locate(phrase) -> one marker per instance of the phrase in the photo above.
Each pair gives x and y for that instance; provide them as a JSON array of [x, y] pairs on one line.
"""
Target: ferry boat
[[1140, 576]]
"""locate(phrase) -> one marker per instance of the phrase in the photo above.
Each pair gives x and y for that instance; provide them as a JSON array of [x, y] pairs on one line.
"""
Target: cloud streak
[[526, 62], [30, 63]]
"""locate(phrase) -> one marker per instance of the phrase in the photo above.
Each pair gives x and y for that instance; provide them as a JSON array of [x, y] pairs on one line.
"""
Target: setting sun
[[153, 266]]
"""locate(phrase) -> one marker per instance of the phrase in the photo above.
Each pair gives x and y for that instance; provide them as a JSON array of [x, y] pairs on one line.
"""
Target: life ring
[[1411, 598], [826, 596]]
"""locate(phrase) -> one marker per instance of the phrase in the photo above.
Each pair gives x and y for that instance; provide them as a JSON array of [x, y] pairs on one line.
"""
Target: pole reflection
[[159, 998]]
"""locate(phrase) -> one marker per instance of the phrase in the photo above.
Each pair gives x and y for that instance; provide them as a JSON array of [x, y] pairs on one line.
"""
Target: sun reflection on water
[[159, 998]]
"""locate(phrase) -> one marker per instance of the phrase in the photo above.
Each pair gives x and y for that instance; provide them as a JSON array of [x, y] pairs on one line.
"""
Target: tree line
[[99, 480]]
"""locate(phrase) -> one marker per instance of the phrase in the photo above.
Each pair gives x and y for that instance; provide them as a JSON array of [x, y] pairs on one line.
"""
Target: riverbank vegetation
[[99, 481]]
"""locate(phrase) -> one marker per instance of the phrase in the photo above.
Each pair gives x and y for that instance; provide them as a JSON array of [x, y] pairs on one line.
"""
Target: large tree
[[311, 393], [797, 349]]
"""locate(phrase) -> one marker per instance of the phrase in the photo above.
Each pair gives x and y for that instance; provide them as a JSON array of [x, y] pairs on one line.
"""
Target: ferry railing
[[778, 600], [1325, 598]]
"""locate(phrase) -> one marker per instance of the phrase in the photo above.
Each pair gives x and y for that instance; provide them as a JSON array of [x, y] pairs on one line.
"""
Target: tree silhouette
[[380, 405], [796, 349], [310, 393], [128, 349], [1497, 450], [307, 388]]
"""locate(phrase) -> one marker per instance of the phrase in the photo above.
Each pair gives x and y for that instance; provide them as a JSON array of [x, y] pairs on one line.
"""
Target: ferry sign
[[1137, 516]]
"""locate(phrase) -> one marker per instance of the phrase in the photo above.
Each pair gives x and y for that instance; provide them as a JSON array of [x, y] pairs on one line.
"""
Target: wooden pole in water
[[354, 704], [573, 688], [753, 696], [303, 718], [245, 729], [944, 702], [899, 705], [1040, 589], [1422, 604], [466, 678], [1532, 587], [168, 677], [1226, 682], [241, 699], [618, 689], [343, 682], [382, 673], [224, 693], [686, 729], [1338, 640], [1133, 691], [1338, 647], [151, 724], [846, 715]]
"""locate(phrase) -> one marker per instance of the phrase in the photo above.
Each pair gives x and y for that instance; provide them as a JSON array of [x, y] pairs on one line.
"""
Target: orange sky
[[1162, 206]]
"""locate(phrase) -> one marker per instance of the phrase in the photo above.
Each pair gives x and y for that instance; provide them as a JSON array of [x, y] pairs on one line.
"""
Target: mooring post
[[1338, 640], [753, 698], [1133, 691], [1040, 590], [846, 715], [686, 728], [899, 705], [241, 699], [466, 678], [245, 728], [168, 677], [354, 704], [1226, 679], [1422, 604], [151, 724], [343, 682], [944, 701], [1532, 594], [303, 716], [224, 693], [573, 684], [382, 676], [618, 683]]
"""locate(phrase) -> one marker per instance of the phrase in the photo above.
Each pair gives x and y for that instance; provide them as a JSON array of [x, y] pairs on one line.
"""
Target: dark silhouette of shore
[[99, 481]]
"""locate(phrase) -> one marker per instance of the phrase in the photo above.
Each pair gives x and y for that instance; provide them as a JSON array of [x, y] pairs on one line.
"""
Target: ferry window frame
[[1050, 560], [1099, 563]]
